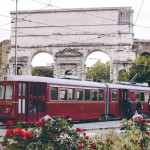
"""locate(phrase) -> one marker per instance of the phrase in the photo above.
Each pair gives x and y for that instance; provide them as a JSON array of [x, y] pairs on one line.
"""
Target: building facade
[[71, 35]]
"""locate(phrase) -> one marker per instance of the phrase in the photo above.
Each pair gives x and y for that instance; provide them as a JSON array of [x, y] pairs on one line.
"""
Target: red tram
[[29, 98]]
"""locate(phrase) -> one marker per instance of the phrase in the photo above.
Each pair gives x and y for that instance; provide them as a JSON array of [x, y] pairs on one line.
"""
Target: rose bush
[[57, 134]]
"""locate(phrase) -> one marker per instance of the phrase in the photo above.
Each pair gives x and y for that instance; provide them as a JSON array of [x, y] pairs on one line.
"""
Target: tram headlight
[[7, 110]]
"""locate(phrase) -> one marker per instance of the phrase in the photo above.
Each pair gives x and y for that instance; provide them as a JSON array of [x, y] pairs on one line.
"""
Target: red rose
[[107, 140], [93, 145], [33, 122], [111, 141], [9, 123], [28, 136], [42, 119], [86, 137], [9, 133], [82, 141], [54, 137], [84, 133], [26, 129], [19, 132], [79, 130], [80, 146], [38, 124], [48, 119], [125, 145]]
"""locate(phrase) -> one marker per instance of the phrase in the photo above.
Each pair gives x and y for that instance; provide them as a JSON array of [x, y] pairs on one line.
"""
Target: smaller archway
[[96, 56], [42, 59]]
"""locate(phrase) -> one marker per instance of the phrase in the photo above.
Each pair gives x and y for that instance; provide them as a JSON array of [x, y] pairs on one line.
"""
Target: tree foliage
[[141, 66], [123, 75], [42, 71], [99, 71]]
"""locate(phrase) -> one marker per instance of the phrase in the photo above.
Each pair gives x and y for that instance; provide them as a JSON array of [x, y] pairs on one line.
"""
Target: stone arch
[[95, 50], [38, 52]]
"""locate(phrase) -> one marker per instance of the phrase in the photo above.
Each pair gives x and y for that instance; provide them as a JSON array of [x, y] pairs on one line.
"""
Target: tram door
[[22, 102], [122, 98], [37, 101]]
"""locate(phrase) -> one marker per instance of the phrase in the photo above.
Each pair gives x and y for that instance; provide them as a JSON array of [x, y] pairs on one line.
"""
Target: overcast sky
[[141, 12]]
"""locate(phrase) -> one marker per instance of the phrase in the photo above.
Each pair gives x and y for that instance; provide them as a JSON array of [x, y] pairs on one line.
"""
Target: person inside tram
[[125, 108], [130, 108], [139, 106]]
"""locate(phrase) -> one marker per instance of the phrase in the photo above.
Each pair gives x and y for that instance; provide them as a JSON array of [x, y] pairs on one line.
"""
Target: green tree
[[141, 66], [99, 71], [42, 71], [123, 75]]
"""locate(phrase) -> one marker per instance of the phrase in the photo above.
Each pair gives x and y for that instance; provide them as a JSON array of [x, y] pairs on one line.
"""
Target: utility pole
[[16, 37]]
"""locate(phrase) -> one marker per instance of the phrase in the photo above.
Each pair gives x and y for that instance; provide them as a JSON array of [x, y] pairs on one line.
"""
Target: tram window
[[94, 94], [101, 95], [8, 94], [63, 94], [132, 96], [79, 94], [43, 105], [34, 89], [146, 97], [2, 92], [39, 106], [114, 95], [71, 94], [40, 90], [137, 96], [44, 90], [22, 89], [87, 94], [142, 96], [32, 105], [54, 93], [31, 89], [20, 86]]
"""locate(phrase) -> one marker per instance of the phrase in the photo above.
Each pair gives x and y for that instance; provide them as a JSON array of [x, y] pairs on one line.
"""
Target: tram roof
[[130, 86], [53, 81]]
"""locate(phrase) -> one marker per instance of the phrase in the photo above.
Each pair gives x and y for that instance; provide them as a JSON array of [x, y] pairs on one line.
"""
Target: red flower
[[125, 145], [33, 122], [38, 124], [84, 133], [48, 119], [9, 123], [132, 119], [19, 132], [79, 130], [28, 136], [70, 120], [107, 140], [42, 119], [111, 141], [64, 117], [93, 145], [26, 129], [54, 137], [86, 137], [142, 120], [9, 133], [82, 141], [80, 146]]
